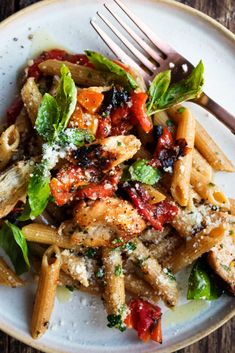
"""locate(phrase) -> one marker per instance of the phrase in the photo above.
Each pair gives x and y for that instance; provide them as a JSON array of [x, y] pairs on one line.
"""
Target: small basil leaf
[[47, 118], [14, 244], [202, 284], [181, 91], [75, 137], [141, 171], [25, 215], [157, 88], [102, 63], [66, 98], [38, 189]]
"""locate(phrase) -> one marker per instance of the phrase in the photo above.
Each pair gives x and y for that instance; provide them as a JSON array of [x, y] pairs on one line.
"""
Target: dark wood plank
[[7, 7], [222, 340]]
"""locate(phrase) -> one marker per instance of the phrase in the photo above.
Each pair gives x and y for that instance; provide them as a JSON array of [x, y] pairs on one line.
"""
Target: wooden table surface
[[222, 340]]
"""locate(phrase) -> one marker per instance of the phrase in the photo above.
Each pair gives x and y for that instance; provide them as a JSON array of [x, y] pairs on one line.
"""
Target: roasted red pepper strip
[[139, 110], [14, 110], [64, 186], [158, 214], [165, 141], [106, 188], [58, 54], [104, 127], [145, 318], [120, 120]]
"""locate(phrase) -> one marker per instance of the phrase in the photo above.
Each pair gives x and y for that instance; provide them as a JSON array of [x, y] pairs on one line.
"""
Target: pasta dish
[[106, 186]]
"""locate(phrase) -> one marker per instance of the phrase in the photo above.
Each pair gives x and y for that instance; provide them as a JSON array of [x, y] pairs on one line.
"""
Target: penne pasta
[[114, 293], [82, 75], [8, 278], [201, 166], [75, 266], [164, 285], [232, 206], [209, 191], [44, 234], [140, 288], [180, 186], [194, 248], [46, 291], [166, 247], [205, 144], [9, 142], [31, 97]]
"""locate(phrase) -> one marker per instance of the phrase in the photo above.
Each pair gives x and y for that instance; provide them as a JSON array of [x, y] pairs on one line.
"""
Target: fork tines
[[149, 60]]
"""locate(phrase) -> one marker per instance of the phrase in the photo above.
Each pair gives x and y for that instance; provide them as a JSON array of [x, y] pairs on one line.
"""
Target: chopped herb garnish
[[231, 232], [116, 321], [211, 184], [70, 288], [169, 274], [119, 143], [100, 273], [130, 246], [181, 109], [118, 270], [170, 123], [117, 241], [225, 267], [90, 253]]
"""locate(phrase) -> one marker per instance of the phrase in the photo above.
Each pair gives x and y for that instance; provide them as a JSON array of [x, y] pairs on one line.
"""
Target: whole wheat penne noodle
[[114, 293], [40, 233], [75, 266], [194, 197], [196, 247], [46, 291], [205, 144], [232, 206], [180, 186], [32, 98], [161, 118], [94, 236], [164, 285], [151, 235], [82, 75], [66, 280], [155, 195], [23, 125], [140, 288], [13, 185], [209, 191], [166, 247], [9, 142], [8, 277], [202, 166]]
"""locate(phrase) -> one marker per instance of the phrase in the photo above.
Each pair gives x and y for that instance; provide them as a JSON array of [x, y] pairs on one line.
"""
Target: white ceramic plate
[[80, 325]]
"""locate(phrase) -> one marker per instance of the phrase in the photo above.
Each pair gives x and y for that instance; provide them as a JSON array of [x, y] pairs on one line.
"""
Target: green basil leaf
[[141, 171], [157, 88], [25, 215], [181, 91], [102, 63], [75, 137], [66, 98], [47, 118], [202, 284], [39, 189], [13, 242]]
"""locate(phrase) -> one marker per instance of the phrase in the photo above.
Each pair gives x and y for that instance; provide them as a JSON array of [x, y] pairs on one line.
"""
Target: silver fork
[[164, 57]]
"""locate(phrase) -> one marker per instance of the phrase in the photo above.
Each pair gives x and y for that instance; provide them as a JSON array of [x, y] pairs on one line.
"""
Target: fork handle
[[220, 113]]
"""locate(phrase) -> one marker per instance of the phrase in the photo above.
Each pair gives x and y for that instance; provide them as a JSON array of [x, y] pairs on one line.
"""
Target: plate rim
[[203, 333]]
